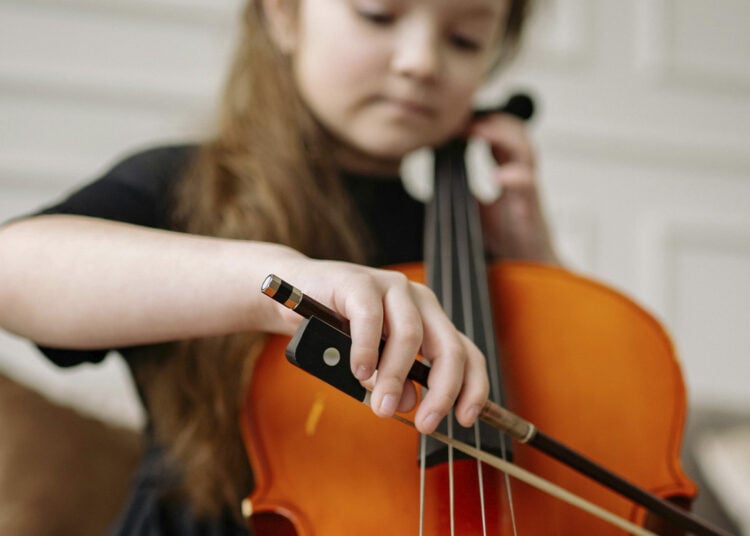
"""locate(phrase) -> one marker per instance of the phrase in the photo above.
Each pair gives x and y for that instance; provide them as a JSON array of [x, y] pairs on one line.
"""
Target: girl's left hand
[[514, 224]]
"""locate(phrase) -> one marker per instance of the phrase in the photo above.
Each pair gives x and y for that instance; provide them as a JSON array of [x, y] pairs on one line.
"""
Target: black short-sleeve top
[[138, 190]]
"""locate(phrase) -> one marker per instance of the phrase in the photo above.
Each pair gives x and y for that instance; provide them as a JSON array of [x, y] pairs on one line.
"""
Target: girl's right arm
[[86, 283]]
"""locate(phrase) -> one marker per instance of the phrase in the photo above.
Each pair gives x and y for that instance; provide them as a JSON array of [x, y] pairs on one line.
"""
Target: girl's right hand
[[378, 302]]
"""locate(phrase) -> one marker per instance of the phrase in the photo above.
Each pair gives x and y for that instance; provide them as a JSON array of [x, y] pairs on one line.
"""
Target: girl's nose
[[417, 53]]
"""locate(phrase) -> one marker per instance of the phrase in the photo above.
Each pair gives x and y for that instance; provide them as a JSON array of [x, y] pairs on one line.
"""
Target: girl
[[162, 258]]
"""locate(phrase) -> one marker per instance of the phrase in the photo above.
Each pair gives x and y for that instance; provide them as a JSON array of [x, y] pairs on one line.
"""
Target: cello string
[[451, 486], [474, 283], [437, 237], [539, 483], [445, 234], [461, 198], [480, 480], [422, 464], [431, 259]]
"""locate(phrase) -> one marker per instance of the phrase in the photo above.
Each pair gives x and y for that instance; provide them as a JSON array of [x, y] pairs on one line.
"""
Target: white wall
[[642, 131], [83, 82], [645, 142]]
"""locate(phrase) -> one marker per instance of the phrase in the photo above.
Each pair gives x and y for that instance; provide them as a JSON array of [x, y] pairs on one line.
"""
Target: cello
[[579, 360]]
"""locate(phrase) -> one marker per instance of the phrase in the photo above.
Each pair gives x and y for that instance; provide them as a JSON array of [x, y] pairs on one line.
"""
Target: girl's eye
[[464, 43], [377, 17]]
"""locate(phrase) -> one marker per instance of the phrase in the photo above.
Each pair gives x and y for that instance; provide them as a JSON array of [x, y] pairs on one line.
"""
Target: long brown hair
[[266, 175]]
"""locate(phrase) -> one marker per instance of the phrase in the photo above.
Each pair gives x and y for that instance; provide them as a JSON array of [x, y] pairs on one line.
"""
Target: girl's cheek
[[464, 94], [466, 78]]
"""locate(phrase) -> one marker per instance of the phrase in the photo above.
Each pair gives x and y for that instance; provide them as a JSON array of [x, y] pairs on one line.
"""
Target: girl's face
[[389, 76]]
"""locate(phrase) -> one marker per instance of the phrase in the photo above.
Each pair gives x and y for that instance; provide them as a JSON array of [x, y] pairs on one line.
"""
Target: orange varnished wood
[[585, 364]]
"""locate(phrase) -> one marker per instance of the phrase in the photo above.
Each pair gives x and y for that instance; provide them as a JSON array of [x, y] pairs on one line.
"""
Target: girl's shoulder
[[155, 160], [136, 189]]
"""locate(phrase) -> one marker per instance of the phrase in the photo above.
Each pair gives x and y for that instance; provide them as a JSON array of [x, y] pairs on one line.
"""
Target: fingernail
[[388, 405], [432, 420], [363, 372]]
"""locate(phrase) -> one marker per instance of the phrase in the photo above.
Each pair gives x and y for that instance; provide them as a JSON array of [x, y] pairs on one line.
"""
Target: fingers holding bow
[[414, 323]]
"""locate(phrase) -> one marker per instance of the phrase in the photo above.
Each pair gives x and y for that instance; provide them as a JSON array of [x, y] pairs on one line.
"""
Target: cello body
[[581, 361]]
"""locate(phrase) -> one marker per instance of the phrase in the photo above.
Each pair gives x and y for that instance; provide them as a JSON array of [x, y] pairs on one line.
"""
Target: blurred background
[[643, 132]]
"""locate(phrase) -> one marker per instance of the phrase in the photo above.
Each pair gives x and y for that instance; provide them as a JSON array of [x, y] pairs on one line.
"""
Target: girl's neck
[[353, 160]]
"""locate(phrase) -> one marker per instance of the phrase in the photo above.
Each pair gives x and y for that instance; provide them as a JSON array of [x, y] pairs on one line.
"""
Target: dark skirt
[[150, 512]]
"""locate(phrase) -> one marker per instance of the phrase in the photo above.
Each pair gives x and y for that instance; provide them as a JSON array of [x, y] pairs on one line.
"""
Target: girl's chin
[[380, 150], [371, 157], [393, 150], [381, 145]]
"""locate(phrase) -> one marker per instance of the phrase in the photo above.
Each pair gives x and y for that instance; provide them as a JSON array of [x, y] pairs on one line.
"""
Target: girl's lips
[[409, 106]]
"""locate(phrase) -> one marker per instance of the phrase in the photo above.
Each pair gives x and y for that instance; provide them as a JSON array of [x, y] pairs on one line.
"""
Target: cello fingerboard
[[456, 272]]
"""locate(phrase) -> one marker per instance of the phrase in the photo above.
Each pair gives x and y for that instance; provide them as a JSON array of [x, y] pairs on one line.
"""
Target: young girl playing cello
[[161, 259]]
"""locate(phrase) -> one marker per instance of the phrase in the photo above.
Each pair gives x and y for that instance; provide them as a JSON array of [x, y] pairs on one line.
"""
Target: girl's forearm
[[79, 282]]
